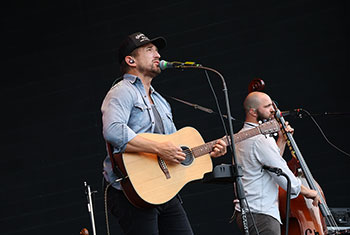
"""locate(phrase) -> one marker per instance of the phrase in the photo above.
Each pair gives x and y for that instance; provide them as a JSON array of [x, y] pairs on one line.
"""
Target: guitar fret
[[203, 149], [238, 137]]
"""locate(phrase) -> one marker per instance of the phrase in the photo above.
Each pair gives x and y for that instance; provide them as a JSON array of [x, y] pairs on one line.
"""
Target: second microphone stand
[[238, 181]]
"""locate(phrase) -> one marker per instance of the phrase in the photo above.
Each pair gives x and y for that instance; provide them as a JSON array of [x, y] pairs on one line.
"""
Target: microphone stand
[[239, 186], [89, 193], [279, 172]]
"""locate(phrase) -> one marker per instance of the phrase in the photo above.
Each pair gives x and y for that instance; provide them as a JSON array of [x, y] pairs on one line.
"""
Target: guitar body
[[150, 181], [147, 183]]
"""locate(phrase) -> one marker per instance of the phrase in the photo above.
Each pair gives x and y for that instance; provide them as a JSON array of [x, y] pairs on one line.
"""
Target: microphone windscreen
[[163, 64]]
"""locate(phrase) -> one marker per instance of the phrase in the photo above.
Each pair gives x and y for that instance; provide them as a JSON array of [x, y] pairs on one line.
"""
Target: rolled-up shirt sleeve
[[116, 109], [268, 154]]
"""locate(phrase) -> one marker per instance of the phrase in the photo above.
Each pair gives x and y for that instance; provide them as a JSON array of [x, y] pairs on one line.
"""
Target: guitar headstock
[[269, 127]]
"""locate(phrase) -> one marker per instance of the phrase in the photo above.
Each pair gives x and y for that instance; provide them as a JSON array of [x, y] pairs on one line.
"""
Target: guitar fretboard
[[208, 147]]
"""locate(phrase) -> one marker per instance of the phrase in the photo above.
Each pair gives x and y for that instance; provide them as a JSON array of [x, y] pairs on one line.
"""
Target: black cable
[[217, 103], [106, 207], [105, 201], [324, 136]]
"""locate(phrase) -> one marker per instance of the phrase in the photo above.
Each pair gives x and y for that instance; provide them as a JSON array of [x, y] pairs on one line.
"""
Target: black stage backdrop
[[60, 62]]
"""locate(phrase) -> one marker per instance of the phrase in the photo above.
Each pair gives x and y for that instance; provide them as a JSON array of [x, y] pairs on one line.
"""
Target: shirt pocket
[[140, 117], [140, 106]]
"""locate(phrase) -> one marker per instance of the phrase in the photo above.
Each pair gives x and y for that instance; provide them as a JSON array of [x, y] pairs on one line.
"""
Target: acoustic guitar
[[149, 180]]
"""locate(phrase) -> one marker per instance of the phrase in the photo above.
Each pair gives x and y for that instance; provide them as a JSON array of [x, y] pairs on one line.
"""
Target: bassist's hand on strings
[[282, 139], [311, 194], [288, 129]]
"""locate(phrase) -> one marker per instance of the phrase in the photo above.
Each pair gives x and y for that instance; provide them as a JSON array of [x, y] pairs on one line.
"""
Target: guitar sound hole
[[189, 157]]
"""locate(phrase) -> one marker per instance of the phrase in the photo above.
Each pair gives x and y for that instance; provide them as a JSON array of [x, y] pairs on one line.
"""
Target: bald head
[[258, 106], [253, 100]]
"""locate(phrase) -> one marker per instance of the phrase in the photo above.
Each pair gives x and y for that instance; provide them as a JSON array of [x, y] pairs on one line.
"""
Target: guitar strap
[[115, 168], [118, 79]]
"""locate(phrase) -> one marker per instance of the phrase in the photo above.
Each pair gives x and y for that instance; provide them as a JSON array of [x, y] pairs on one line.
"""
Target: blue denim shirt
[[126, 111]]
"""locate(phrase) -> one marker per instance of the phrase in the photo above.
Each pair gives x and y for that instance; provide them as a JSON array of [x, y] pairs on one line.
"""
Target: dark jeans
[[267, 225], [167, 219]]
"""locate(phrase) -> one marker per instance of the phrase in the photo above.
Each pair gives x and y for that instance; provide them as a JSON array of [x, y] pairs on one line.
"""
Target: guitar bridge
[[164, 167]]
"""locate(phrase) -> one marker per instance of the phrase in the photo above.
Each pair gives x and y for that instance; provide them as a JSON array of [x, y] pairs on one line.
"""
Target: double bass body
[[304, 218]]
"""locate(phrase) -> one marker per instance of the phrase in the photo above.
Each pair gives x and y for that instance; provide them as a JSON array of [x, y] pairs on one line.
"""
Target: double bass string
[[297, 154]]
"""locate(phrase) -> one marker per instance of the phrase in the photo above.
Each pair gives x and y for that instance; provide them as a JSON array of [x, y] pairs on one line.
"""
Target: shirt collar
[[133, 79]]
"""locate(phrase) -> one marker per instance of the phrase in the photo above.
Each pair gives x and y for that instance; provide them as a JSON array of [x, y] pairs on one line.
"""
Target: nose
[[156, 54]]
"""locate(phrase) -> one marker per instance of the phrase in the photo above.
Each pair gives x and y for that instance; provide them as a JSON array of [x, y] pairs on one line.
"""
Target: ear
[[253, 112], [129, 60]]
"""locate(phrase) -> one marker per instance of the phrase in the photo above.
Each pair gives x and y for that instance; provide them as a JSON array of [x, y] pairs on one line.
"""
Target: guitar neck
[[208, 147]]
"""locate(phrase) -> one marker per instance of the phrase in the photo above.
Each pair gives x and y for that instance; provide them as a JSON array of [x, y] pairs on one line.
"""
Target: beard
[[150, 70], [263, 118]]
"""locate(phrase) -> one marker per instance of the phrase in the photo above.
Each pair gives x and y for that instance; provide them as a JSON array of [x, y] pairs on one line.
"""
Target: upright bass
[[304, 218]]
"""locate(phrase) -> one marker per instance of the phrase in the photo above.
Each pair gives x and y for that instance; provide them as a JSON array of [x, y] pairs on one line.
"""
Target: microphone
[[175, 64], [294, 112]]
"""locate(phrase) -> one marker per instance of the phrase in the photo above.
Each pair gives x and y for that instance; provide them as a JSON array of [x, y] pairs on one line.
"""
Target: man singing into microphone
[[261, 186], [132, 106]]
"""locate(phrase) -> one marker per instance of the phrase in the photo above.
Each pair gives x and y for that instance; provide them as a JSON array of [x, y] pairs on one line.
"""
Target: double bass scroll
[[257, 84]]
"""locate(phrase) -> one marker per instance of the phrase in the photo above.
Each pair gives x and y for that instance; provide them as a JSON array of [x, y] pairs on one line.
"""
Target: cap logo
[[141, 37]]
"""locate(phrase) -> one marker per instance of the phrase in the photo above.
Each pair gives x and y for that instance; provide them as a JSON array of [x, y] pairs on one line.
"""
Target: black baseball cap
[[136, 40]]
